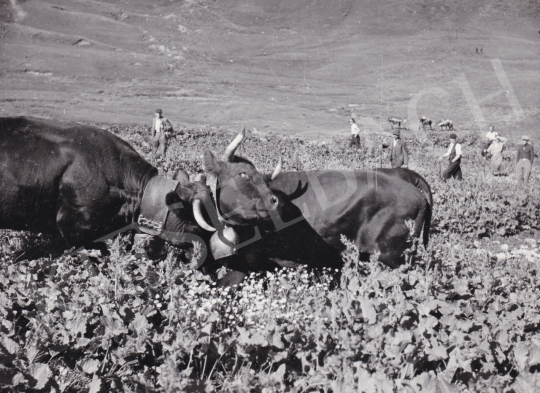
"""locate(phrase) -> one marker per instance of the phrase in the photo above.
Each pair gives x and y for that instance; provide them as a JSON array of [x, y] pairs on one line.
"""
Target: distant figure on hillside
[[454, 159], [399, 157], [355, 134], [525, 158], [495, 149], [477, 51], [161, 129]]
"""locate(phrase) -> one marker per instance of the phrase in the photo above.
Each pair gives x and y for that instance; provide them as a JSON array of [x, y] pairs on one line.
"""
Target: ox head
[[241, 193], [171, 208]]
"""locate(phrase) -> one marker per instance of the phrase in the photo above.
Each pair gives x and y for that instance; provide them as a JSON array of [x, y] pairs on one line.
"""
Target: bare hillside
[[296, 66]]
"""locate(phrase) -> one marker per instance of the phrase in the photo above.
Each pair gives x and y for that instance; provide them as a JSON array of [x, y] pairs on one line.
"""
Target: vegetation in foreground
[[463, 318]]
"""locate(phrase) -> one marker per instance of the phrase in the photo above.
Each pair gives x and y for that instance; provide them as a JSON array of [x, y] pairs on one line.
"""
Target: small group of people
[[524, 157], [399, 156]]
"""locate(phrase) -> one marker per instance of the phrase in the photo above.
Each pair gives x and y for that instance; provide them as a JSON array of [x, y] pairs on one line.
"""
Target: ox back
[[74, 180], [368, 207]]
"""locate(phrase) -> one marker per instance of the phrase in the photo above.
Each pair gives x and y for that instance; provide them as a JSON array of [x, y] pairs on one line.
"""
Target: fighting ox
[[368, 207], [83, 183]]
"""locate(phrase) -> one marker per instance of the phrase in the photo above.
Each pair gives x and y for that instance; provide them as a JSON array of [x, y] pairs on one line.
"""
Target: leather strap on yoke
[[154, 210]]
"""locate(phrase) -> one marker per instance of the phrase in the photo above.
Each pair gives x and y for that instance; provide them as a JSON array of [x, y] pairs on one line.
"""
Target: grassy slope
[[295, 66]]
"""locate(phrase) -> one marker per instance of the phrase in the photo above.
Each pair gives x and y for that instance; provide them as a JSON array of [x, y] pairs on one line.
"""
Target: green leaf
[[95, 385], [41, 373], [437, 352], [534, 355], [443, 386], [521, 354], [368, 310], [89, 366], [527, 383], [279, 375], [11, 346]]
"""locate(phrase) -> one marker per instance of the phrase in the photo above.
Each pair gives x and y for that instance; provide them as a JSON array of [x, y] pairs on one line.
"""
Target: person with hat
[[495, 149], [490, 137], [525, 158], [161, 128], [355, 134], [454, 159], [399, 157]]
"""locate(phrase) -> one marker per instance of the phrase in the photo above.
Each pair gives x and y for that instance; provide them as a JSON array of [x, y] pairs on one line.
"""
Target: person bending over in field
[[454, 159]]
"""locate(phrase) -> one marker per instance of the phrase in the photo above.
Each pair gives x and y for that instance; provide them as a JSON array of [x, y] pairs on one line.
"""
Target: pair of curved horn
[[197, 212], [229, 151]]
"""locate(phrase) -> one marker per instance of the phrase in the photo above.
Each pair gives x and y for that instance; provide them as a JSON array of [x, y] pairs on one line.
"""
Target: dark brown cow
[[84, 183], [368, 207]]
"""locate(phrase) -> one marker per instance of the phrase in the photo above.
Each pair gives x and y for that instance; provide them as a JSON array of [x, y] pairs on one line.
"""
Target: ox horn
[[277, 170], [229, 151], [197, 213]]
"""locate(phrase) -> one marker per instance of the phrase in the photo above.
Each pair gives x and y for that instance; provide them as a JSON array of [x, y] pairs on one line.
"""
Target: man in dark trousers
[[454, 159], [525, 158], [161, 128], [355, 134], [399, 157]]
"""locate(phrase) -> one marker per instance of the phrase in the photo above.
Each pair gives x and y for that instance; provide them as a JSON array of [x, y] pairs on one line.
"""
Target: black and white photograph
[[266, 196]]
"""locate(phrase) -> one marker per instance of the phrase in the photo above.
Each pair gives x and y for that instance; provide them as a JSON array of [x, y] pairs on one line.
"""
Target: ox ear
[[181, 176], [173, 200], [211, 164]]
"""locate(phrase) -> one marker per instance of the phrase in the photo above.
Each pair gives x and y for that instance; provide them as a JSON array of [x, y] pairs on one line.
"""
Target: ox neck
[[153, 208]]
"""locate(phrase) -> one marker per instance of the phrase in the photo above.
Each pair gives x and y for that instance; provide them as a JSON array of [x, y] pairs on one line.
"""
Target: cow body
[[447, 124], [368, 207], [396, 121], [79, 182], [425, 122]]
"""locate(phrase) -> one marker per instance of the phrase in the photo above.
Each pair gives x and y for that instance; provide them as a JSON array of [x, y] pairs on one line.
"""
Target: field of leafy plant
[[463, 317]]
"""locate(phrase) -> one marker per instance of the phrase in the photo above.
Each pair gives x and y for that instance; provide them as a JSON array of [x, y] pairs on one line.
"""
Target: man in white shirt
[[355, 134], [161, 127], [491, 134], [454, 160], [495, 149]]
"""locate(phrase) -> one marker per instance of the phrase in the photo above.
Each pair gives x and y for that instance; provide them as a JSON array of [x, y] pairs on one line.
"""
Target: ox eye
[[244, 175]]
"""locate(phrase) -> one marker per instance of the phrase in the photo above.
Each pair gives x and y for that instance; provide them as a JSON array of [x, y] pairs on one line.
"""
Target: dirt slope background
[[282, 66]]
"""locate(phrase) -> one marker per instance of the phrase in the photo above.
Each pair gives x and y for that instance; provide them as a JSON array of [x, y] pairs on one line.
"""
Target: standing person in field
[[399, 157], [495, 149], [161, 127], [525, 158], [454, 160], [491, 136], [355, 134]]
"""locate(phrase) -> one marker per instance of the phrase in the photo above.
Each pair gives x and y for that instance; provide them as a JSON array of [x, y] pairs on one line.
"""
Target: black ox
[[83, 183], [370, 208]]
